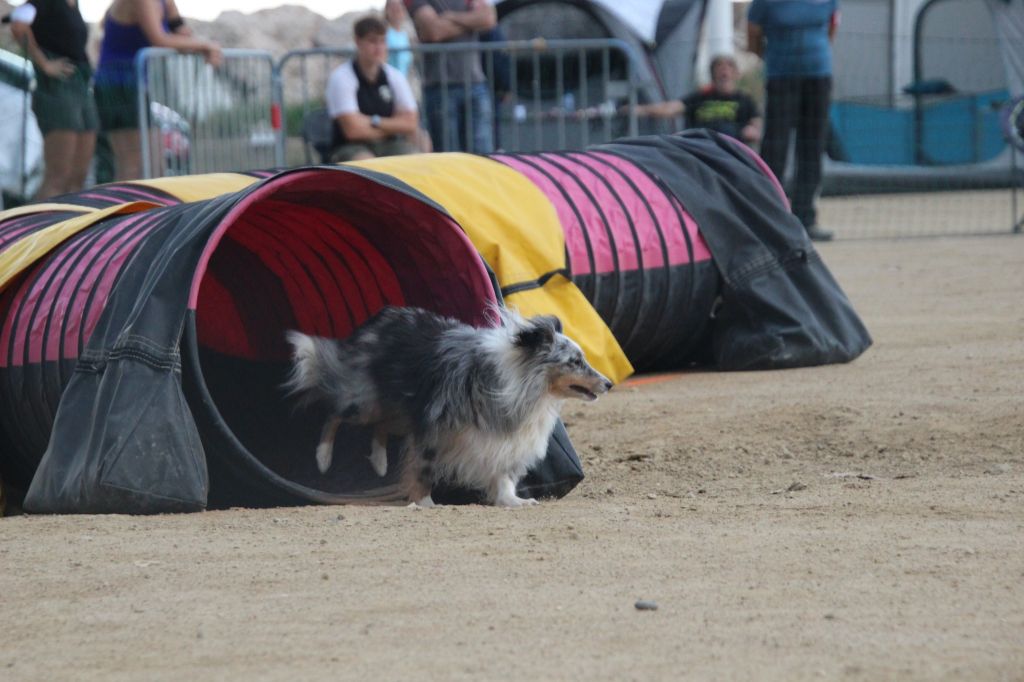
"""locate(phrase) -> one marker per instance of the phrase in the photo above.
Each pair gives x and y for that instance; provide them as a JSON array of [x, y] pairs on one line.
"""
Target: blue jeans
[[450, 131]]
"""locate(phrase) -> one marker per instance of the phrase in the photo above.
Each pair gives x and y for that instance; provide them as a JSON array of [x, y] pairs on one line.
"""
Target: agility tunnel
[[142, 340]]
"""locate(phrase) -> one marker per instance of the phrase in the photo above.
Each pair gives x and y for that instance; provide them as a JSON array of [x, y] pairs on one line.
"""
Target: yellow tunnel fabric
[[190, 188], [26, 251], [186, 188], [516, 230]]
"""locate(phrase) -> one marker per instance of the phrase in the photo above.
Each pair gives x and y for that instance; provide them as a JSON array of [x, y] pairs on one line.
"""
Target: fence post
[[141, 92], [279, 123]]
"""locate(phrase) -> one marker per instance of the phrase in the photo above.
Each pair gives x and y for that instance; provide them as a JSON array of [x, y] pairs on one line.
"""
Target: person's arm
[[406, 119], [148, 16], [175, 21], [358, 127], [750, 121], [751, 132], [755, 38], [21, 28], [756, 15], [481, 16], [672, 107], [432, 27], [833, 25]]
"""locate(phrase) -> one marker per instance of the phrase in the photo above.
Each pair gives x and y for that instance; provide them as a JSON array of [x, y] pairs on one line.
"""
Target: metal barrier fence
[[902, 162], [197, 119], [558, 94]]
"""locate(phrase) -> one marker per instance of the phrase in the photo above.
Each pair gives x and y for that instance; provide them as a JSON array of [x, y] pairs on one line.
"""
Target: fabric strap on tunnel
[[517, 232]]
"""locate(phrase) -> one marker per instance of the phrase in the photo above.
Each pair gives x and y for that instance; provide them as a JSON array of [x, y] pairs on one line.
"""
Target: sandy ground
[[861, 522]]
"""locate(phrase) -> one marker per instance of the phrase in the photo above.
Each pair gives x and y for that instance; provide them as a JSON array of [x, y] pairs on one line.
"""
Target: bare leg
[[325, 450], [127, 147], [85, 147], [127, 153], [502, 493], [57, 162], [379, 451]]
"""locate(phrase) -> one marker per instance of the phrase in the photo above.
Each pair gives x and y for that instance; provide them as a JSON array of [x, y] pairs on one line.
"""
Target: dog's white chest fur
[[477, 456]]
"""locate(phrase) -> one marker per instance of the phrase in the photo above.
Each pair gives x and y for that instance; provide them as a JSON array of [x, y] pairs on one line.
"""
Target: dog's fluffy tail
[[310, 354]]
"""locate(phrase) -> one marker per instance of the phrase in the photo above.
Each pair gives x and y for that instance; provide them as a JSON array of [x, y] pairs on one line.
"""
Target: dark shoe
[[819, 235]]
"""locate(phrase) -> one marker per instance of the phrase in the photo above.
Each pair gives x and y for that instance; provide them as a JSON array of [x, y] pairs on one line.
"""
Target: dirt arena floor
[[855, 522]]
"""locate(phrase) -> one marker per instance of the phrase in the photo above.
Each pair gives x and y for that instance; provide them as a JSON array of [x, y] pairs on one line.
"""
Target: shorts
[[393, 146], [65, 103], [118, 106]]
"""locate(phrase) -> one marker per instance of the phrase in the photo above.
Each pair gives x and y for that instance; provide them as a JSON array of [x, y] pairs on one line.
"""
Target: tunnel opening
[[320, 252]]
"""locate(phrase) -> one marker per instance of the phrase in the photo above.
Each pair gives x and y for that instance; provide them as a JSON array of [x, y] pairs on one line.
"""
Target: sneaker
[[819, 235]]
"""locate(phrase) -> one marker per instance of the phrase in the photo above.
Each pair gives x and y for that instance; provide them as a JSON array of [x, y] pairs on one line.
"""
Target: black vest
[[373, 98]]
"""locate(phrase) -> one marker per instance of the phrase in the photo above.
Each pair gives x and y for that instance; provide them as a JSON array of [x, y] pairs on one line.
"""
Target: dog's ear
[[549, 321], [537, 334]]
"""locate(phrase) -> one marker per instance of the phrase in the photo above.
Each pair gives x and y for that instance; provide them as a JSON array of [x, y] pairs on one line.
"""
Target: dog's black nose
[[608, 385]]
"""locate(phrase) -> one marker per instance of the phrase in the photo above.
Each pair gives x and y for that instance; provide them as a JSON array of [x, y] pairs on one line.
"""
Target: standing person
[[398, 40], [497, 65], [453, 80], [369, 101], [129, 26], [721, 106], [54, 36], [795, 39]]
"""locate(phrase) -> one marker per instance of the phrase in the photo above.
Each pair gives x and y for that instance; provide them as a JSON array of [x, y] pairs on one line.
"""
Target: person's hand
[[213, 55], [750, 134], [60, 68]]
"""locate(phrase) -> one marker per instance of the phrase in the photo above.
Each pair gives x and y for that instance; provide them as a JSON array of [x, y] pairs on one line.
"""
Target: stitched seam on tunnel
[[95, 361], [145, 358], [130, 340]]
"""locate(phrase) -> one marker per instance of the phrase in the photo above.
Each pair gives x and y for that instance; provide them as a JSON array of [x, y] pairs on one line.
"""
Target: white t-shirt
[[343, 85]]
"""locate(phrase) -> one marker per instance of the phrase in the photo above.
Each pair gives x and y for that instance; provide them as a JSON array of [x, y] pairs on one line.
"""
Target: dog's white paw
[[324, 456], [426, 502], [379, 458]]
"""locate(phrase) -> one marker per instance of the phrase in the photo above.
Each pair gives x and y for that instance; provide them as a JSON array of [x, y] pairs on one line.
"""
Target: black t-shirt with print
[[727, 114]]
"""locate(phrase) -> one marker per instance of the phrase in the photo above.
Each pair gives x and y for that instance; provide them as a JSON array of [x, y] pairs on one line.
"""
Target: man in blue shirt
[[795, 39]]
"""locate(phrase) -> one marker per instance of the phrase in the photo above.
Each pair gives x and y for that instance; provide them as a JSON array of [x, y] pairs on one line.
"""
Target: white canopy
[[640, 15]]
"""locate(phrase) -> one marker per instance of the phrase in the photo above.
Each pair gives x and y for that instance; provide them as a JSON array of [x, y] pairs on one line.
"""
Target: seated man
[[370, 101], [720, 106]]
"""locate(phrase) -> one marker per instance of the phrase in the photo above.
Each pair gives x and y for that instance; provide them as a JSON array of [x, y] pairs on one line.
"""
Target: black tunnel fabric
[[780, 306], [173, 403], [143, 453]]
